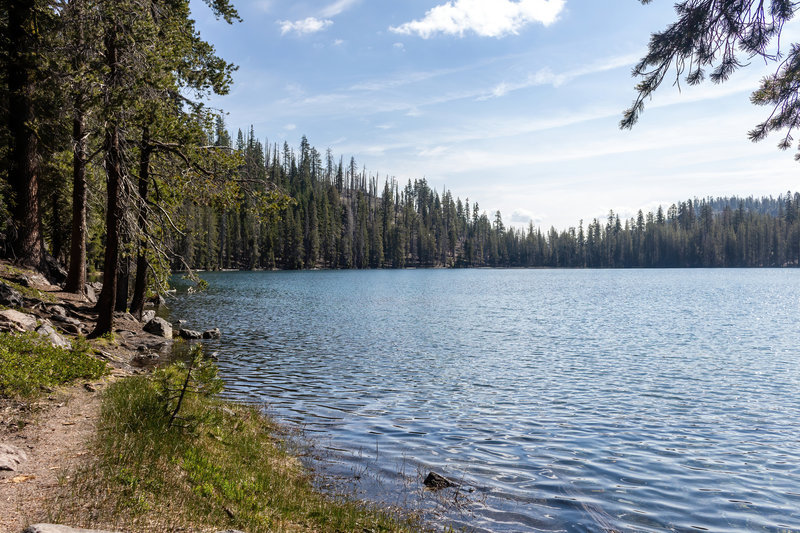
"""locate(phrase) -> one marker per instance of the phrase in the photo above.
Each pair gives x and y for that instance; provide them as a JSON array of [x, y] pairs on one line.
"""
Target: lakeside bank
[[157, 450]]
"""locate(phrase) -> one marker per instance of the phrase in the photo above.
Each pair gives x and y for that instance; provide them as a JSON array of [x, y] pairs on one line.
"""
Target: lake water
[[562, 400]]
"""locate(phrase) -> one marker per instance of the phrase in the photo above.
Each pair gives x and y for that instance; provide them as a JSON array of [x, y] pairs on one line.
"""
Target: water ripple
[[566, 401]]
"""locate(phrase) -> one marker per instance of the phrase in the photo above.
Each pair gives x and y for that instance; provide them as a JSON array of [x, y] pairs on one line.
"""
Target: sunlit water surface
[[645, 400]]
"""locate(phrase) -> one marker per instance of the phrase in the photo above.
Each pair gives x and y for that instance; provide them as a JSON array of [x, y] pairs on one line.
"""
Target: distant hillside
[[766, 205]]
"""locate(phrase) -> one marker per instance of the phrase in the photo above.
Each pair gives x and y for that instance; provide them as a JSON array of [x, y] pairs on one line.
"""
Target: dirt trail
[[56, 440], [57, 429]]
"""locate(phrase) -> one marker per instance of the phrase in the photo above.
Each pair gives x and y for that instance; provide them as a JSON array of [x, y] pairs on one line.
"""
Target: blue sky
[[512, 103]]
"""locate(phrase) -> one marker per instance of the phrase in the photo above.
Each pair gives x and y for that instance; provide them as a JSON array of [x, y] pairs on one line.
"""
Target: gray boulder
[[148, 315], [189, 334], [91, 294], [159, 326], [67, 324], [14, 320], [57, 310], [65, 320], [214, 333], [47, 331], [9, 296], [53, 270], [53, 528], [11, 457]]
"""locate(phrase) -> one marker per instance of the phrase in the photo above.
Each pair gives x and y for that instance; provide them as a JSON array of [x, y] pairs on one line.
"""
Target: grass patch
[[29, 363], [170, 455]]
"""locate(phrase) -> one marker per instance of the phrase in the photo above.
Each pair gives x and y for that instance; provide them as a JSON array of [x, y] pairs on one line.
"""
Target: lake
[[561, 400]]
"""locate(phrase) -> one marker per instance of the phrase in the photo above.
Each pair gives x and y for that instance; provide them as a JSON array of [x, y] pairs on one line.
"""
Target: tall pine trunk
[[76, 277], [140, 284], [114, 177], [107, 299], [23, 173]]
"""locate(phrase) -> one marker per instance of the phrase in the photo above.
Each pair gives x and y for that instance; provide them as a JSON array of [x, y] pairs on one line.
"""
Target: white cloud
[[486, 18], [399, 46], [433, 152], [305, 26], [290, 127], [521, 217], [546, 76], [338, 42], [337, 7]]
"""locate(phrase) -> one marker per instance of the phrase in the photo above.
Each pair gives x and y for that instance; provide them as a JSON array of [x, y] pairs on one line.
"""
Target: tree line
[[341, 216], [105, 134]]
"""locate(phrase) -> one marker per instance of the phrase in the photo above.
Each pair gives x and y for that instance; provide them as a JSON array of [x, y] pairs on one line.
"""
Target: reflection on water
[[644, 400]]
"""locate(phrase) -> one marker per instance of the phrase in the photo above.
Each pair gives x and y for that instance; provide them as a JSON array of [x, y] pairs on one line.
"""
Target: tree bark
[[140, 284], [23, 173], [76, 275], [123, 281], [107, 298], [114, 177]]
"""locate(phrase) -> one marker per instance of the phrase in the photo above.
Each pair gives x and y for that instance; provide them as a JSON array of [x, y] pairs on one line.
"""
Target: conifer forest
[[114, 167], [341, 216]]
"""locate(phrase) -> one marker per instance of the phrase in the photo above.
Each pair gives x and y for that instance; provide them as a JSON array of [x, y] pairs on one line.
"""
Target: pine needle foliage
[[711, 39]]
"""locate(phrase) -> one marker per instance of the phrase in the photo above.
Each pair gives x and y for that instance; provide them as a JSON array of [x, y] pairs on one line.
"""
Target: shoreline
[[58, 429]]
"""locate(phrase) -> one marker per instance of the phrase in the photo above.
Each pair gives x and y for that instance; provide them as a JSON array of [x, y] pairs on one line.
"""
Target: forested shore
[[341, 216], [113, 162]]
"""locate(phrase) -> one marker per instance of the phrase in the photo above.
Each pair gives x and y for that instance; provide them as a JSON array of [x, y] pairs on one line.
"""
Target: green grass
[[216, 465], [29, 363]]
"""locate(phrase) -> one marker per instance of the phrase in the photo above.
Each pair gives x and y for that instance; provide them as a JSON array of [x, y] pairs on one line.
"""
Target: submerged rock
[[159, 326], [11, 457], [214, 333], [436, 481], [189, 334]]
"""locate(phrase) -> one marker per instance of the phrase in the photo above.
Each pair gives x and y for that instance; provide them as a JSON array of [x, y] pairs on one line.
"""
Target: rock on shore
[[159, 326], [53, 528], [11, 457]]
